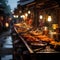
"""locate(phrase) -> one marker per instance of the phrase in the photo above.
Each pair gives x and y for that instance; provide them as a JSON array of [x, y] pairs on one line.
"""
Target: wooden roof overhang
[[43, 4]]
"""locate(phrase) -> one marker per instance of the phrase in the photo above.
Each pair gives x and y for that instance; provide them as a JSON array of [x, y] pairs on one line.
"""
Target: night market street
[[29, 29]]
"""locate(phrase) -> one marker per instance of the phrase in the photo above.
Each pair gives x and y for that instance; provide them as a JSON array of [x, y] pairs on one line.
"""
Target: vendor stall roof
[[23, 2], [43, 4]]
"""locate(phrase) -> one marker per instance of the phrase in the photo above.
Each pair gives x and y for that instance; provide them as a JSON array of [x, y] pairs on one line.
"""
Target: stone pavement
[[6, 45]]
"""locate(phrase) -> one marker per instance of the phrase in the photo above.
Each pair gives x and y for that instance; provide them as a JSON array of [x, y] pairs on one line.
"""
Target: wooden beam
[[30, 4]]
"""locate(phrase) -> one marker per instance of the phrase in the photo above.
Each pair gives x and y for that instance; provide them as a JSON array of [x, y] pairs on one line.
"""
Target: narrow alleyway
[[6, 46]]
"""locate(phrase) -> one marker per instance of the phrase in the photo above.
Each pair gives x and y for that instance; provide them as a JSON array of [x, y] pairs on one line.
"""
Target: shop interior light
[[29, 12], [49, 18], [54, 26], [26, 14], [40, 16], [45, 28], [15, 16], [22, 16], [7, 24]]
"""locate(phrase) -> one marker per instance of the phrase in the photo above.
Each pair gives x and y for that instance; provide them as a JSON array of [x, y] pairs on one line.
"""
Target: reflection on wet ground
[[8, 42], [7, 57], [6, 46]]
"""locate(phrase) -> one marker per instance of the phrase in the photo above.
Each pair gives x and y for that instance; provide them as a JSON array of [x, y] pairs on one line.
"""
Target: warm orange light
[[7, 24], [23, 16], [49, 18], [26, 14], [29, 12], [45, 28], [40, 16], [55, 26], [15, 16]]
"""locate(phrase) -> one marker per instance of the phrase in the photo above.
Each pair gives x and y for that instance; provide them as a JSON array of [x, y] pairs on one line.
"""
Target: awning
[[23, 2]]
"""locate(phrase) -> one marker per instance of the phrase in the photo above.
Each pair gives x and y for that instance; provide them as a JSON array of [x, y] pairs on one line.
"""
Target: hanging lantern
[[49, 18], [26, 14], [7, 24], [40, 16], [29, 12]]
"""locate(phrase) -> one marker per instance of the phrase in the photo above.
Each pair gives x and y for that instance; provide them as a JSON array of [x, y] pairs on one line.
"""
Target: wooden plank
[[30, 50]]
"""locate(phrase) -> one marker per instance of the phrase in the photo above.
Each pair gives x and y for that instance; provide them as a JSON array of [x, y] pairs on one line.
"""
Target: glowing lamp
[[55, 26], [40, 16], [7, 24], [49, 18], [29, 12]]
